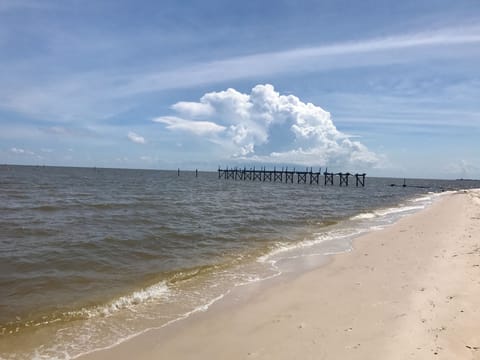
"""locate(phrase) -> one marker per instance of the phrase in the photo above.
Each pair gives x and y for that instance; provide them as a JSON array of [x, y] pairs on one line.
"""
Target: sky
[[390, 88]]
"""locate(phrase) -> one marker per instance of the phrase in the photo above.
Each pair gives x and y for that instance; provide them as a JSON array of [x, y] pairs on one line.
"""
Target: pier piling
[[360, 179]]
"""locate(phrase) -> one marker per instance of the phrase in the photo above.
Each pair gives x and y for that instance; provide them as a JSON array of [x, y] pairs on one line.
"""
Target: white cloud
[[17, 150], [193, 109], [196, 127], [20, 151], [136, 138], [254, 123]]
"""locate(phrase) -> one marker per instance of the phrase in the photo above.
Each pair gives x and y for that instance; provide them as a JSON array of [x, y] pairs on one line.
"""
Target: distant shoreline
[[204, 170]]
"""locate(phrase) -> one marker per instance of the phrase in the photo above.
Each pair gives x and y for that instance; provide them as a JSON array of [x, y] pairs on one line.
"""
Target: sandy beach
[[409, 291]]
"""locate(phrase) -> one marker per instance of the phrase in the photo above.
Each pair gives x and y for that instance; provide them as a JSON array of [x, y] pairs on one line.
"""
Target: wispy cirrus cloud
[[99, 94], [376, 51], [69, 131]]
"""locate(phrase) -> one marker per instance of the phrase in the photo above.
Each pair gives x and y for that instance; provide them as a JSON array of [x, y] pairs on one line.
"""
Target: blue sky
[[391, 88]]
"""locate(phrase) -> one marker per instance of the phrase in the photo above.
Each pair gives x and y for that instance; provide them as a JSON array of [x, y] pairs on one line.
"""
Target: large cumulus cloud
[[269, 127]]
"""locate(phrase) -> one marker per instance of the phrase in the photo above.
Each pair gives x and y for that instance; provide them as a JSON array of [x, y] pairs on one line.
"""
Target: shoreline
[[128, 316], [380, 298]]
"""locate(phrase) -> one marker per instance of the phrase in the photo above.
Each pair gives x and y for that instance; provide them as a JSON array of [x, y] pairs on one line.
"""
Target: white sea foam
[[364, 216], [200, 308], [388, 211], [398, 210], [423, 198], [285, 251], [151, 293], [376, 227]]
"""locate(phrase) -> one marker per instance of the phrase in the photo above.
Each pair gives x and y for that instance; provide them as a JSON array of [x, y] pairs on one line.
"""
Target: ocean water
[[90, 257]]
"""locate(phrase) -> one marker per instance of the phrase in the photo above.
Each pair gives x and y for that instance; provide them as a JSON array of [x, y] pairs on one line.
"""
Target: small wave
[[151, 293], [318, 238], [398, 210], [201, 308], [391, 211], [423, 199], [363, 216]]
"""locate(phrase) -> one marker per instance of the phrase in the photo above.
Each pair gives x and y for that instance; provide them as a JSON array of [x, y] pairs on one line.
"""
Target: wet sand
[[409, 291]]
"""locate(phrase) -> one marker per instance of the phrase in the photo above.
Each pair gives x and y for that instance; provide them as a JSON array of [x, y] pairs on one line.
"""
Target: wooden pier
[[290, 176]]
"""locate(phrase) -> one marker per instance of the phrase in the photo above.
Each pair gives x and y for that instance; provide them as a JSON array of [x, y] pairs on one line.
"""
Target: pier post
[[344, 178], [360, 179], [289, 175], [328, 178], [257, 174], [277, 175], [302, 177]]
